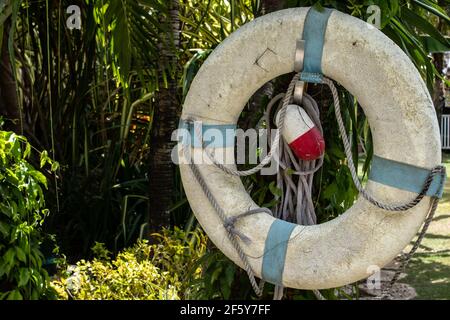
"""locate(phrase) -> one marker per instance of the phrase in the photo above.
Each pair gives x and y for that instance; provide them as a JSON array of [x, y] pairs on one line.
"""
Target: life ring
[[405, 135]]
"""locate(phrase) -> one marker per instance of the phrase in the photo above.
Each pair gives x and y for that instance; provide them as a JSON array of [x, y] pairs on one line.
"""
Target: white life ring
[[404, 128]]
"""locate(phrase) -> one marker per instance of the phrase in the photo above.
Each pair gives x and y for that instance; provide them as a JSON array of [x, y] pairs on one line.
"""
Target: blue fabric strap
[[314, 35], [214, 135], [311, 77], [275, 251], [404, 176]]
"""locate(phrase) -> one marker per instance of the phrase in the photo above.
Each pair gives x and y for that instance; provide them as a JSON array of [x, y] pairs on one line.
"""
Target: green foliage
[[165, 269], [99, 123], [207, 23], [126, 28], [221, 278], [22, 213]]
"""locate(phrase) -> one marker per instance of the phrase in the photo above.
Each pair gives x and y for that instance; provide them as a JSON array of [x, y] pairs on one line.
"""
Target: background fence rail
[[445, 131]]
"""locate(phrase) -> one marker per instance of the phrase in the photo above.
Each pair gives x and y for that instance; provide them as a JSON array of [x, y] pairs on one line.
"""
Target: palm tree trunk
[[165, 121], [268, 6], [9, 106], [438, 90]]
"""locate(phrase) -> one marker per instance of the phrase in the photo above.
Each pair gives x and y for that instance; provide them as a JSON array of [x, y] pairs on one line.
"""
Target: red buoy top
[[302, 135]]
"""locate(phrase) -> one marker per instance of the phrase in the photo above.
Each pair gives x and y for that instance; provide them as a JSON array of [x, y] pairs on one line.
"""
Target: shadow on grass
[[436, 236], [441, 217], [429, 276], [437, 254]]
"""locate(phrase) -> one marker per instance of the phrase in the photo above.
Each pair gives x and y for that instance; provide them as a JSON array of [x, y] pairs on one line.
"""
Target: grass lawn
[[429, 270]]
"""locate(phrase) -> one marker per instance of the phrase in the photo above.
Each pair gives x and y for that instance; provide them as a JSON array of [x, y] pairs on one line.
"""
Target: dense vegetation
[[104, 100], [23, 211], [166, 269]]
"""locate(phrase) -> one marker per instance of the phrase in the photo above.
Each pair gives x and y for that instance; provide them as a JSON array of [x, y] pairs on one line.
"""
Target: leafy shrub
[[164, 269], [22, 212], [221, 279]]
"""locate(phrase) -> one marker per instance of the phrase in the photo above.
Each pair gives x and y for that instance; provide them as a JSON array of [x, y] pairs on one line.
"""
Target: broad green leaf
[[423, 25], [39, 177], [274, 190], [21, 254], [44, 158], [431, 8], [24, 277], [15, 295]]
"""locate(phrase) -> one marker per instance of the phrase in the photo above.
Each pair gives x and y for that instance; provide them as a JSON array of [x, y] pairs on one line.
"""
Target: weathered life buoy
[[406, 145]]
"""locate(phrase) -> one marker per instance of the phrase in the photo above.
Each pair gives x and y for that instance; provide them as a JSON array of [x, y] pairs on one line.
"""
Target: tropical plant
[[162, 270], [87, 95], [22, 213]]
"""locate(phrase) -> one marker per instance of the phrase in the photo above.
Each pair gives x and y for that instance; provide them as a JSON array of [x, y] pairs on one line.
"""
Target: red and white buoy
[[301, 134]]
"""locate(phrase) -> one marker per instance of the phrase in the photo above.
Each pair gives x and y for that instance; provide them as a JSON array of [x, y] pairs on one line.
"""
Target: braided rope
[[407, 258], [348, 152], [295, 204]]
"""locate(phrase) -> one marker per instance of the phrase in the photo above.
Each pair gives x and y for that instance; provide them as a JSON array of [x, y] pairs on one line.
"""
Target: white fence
[[445, 131]]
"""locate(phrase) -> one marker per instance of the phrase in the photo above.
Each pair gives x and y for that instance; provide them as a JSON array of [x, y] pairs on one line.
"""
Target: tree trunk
[[9, 106], [268, 6], [165, 121], [438, 90]]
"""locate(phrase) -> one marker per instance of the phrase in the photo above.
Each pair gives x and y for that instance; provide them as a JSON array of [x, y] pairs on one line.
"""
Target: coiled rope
[[295, 180]]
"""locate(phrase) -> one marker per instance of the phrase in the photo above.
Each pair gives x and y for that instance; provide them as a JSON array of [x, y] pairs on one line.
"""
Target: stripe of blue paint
[[403, 176], [311, 77], [275, 251], [214, 135], [314, 35]]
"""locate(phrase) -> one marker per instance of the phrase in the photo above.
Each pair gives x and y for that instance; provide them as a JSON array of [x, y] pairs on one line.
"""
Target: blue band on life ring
[[275, 251], [404, 176], [314, 35], [213, 135], [311, 77]]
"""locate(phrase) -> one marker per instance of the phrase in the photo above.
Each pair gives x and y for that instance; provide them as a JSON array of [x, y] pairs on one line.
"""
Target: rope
[[407, 258], [295, 203]]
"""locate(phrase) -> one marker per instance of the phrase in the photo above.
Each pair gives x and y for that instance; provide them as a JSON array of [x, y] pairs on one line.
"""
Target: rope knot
[[229, 225], [230, 222]]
